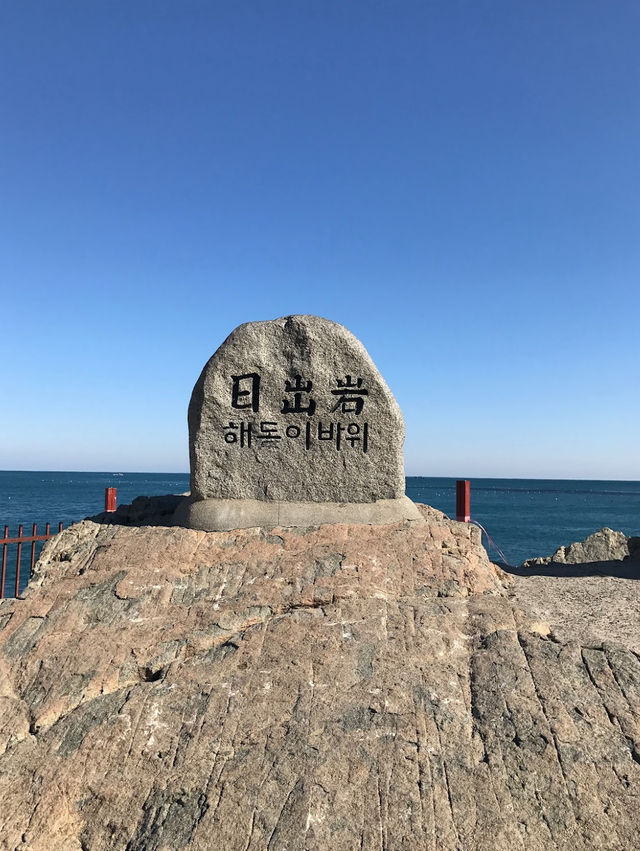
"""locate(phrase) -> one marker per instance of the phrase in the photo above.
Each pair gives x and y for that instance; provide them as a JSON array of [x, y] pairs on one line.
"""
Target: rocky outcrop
[[346, 687], [603, 545]]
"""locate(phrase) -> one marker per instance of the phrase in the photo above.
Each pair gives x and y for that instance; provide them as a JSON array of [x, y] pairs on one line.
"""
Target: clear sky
[[457, 182]]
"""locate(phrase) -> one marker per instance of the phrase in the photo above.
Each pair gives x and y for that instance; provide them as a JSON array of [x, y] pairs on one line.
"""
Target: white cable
[[492, 542]]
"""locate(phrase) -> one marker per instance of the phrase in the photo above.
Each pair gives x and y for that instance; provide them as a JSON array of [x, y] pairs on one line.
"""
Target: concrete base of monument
[[221, 515]]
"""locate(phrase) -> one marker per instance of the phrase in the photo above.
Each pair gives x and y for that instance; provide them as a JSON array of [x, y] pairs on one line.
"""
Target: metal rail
[[20, 540], [110, 505]]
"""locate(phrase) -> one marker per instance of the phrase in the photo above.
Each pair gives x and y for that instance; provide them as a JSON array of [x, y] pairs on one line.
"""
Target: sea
[[523, 517]]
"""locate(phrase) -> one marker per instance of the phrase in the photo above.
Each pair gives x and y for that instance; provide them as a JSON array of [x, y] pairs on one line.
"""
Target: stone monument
[[291, 424]]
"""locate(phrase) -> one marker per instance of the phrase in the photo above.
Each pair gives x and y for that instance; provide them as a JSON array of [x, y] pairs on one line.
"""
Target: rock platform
[[334, 687]]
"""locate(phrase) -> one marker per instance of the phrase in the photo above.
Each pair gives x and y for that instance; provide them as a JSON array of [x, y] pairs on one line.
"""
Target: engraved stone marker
[[290, 423]]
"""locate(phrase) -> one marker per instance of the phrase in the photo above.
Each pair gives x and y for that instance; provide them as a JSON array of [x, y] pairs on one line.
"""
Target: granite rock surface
[[294, 409], [345, 687]]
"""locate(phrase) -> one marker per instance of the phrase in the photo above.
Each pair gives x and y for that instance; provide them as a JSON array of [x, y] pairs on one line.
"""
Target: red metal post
[[110, 498], [4, 562], [18, 557], [33, 547], [463, 500]]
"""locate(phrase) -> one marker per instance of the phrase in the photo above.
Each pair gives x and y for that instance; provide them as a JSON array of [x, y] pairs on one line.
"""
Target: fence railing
[[36, 541], [20, 540]]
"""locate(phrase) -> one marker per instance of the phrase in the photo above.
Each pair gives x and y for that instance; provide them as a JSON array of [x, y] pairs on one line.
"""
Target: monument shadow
[[628, 568]]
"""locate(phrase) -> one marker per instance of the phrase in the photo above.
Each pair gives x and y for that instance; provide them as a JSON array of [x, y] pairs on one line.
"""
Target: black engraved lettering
[[238, 392], [353, 434], [238, 433], [325, 433], [298, 387], [351, 395], [268, 432]]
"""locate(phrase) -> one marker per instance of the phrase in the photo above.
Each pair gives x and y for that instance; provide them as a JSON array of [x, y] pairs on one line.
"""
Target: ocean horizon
[[524, 517]]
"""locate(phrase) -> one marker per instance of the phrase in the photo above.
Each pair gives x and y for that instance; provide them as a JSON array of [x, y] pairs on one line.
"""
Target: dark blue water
[[525, 517], [53, 497], [533, 517], [27, 498]]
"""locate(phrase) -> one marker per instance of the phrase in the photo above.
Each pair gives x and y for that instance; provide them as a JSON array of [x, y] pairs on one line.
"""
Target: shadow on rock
[[143, 511], [628, 568]]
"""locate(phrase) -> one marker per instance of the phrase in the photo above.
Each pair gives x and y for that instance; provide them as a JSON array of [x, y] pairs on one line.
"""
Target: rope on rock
[[492, 542]]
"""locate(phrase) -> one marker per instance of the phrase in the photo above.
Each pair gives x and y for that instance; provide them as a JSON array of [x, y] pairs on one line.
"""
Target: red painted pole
[[4, 562], [463, 500], [33, 548], [19, 556], [110, 499]]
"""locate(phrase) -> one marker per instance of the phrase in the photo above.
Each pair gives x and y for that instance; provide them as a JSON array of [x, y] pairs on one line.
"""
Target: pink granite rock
[[346, 687]]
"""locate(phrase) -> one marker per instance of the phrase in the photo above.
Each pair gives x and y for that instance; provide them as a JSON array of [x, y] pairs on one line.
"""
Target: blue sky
[[456, 182]]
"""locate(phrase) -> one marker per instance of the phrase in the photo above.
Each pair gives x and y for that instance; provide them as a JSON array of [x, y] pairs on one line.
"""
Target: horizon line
[[407, 476]]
